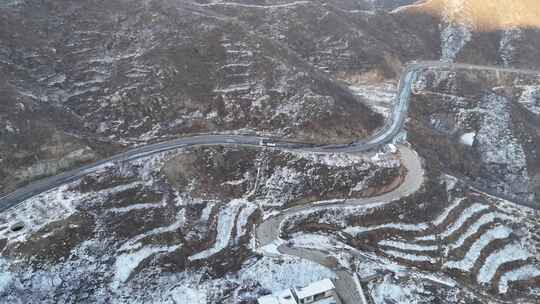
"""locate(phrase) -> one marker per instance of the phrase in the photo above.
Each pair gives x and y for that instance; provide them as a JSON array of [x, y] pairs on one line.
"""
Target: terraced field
[[475, 239], [471, 239], [156, 217]]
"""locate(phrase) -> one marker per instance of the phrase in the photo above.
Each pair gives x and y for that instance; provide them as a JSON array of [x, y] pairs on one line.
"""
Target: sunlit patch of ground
[[484, 15]]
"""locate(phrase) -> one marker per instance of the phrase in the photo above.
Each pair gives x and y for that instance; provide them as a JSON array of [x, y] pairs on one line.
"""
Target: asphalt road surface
[[269, 231], [392, 127]]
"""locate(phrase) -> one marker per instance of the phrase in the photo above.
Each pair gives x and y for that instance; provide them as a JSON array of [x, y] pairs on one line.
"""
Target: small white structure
[[316, 292], [468, 139], [321, 292], [266, 143], [282, 297]]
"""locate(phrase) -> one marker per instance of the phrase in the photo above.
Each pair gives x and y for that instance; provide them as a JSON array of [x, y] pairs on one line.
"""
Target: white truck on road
[[267, 143]]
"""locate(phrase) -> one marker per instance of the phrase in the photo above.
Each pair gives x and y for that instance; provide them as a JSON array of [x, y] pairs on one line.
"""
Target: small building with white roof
[[281, 297], [315, 292], [320, 292]]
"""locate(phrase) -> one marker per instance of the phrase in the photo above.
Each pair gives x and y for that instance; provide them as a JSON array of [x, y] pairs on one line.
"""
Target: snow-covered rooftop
[[331, 300], [315, 288], [287, 297], [281, 297]]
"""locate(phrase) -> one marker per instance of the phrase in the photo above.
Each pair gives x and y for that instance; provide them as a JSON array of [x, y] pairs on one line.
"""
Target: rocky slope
[[482, 126], [493, 32], [167, 221], [478, 247], [83, 80], [107, 76], [350, 44]]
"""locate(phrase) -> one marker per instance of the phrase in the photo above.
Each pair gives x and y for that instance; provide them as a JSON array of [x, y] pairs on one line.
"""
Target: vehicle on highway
[[267, 143]]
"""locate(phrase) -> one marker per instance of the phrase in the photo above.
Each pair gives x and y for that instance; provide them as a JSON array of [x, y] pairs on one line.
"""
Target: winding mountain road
[[392, 127], [268, 232], [386, 134]]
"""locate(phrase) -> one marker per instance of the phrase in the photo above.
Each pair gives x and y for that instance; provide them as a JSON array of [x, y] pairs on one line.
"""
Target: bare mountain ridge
[[146, 72]]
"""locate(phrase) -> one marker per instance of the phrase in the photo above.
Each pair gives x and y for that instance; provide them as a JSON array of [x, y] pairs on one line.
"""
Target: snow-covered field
[[235, 214], [476, 236], [278, 273], [138, 232]]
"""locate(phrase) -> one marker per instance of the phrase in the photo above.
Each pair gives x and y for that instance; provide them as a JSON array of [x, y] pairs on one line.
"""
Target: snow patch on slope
[[229, 216], [453, 38], [283, 272], [127, 262], [468, 138], [522, 273], [512, 252], [474, 252]]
